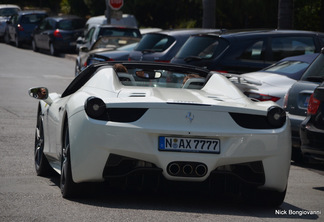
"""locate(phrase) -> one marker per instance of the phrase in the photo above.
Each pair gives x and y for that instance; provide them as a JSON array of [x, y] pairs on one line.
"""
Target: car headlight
[[276, 116], [94, 107]]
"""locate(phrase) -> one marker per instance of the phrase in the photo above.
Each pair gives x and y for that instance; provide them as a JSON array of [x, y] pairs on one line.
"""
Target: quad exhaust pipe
[[187, 169]]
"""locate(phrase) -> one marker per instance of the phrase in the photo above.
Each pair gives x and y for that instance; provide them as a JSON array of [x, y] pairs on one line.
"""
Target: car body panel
[[273, 82], [246, 51], [101, 55], [170, 110]]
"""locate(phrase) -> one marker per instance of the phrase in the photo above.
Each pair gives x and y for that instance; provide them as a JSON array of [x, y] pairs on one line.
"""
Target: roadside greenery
[[230, 14]]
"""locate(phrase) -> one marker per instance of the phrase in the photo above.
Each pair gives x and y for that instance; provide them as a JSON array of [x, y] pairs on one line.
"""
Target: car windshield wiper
[[192, 58], [315, 78]]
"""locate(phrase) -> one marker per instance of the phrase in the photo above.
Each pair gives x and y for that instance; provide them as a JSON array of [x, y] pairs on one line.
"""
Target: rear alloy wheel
[[52, 50], [68, 187], [42, 166]]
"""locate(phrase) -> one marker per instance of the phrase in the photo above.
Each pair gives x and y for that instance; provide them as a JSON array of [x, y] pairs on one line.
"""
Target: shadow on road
[[102, 195]]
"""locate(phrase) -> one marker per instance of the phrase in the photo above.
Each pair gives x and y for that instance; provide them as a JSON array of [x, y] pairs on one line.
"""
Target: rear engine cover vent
[[137, 95], [215, 98]]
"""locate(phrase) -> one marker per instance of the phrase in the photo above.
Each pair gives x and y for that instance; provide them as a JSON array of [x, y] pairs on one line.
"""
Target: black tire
[[52, 49], [6, 38], [42, 166], [68, 187], [269, 198], [17, 42], [296, 155], [35, 49]]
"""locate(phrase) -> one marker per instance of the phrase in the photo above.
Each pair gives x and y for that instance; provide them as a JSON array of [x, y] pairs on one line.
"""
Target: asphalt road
[[26, 197]]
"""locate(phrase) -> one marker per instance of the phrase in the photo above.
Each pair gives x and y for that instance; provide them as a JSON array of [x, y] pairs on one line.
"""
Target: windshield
[[202, 47], [153, 42], [119, 31], [160, 77], [315, 72], [32, 18], [8, 11], [114, 42]]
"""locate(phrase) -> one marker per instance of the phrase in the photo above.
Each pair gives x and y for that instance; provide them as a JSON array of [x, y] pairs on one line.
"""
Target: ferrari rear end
[[180, 135]]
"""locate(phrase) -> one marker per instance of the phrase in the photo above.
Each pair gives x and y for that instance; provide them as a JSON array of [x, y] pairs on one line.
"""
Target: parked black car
[[297, 99], [246, 51], [21, 25], [312, 128], [58, 34], [105, 44], [162, 46]]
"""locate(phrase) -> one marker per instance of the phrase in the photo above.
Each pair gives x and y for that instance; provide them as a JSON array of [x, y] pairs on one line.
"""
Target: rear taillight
[[313, 105], [262, 97], [57, 34], [220, 71], [20, 28]]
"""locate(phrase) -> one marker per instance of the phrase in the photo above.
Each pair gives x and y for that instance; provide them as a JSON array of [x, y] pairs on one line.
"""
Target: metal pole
[[108, 13]]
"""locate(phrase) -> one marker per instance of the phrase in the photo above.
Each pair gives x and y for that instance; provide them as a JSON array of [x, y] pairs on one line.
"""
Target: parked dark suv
[[21, 25], [58, 34], [162, 46], [246, 51]]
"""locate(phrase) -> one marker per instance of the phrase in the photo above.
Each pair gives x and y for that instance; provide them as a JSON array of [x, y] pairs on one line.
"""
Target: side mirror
[[38, 93], [83, 49], [80, 40]]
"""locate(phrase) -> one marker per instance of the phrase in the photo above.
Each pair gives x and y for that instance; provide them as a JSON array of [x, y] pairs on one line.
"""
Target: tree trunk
[[285, 14], [209, 9], [322, 16]]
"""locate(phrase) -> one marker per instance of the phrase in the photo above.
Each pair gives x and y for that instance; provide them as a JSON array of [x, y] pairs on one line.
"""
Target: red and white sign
[[116, 4]]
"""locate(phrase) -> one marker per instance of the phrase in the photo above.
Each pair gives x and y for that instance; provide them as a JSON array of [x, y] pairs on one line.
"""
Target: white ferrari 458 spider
[[174, 123]]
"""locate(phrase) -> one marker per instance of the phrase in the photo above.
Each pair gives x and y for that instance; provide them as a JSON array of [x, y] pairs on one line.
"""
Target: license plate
[[189, 144]]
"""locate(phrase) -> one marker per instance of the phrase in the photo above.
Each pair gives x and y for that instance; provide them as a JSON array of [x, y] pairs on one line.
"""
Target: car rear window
[[204, 47], [155, 42], [315, 72], [283, 47], [8, 11], [119, 32], [32, 18], [288, 67], [71, 24]]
